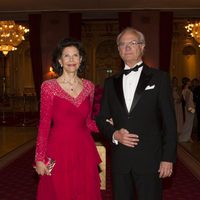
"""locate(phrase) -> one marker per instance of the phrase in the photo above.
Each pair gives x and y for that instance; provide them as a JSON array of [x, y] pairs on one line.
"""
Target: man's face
[[130, 48]]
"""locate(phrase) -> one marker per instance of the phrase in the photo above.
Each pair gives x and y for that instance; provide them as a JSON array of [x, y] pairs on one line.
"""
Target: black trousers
[[132, 186]]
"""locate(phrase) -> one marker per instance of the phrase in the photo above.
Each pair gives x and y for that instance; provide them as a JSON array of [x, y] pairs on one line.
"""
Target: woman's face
[[70, 59]]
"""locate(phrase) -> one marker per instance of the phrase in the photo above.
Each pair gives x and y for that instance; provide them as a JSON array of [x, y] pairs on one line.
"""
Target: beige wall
[[99, 40], [19, 70]]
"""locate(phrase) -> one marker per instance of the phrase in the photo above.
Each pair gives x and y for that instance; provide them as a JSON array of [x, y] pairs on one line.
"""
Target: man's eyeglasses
[[133, 43]]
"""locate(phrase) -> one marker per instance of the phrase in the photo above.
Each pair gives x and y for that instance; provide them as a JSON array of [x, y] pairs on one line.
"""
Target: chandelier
[[194, 30], [11, 35]]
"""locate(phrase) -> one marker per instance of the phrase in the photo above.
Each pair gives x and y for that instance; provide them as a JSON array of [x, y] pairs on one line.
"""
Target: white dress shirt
[[130, 83]]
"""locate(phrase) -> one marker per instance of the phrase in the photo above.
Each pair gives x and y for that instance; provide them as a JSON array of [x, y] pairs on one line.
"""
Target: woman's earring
[[60, 63]]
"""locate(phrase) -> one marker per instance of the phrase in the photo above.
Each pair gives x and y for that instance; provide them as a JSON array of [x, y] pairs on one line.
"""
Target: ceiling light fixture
[[11, 35], [194, 30]]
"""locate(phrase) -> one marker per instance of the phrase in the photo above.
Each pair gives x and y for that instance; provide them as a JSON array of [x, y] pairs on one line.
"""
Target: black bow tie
[[127, 71]]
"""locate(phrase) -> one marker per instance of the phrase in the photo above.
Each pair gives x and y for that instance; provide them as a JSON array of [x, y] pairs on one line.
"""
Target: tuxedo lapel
[[119, 90], [145, 77]]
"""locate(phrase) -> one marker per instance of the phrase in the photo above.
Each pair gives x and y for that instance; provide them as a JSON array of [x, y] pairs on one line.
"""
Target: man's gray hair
[[134, 31]]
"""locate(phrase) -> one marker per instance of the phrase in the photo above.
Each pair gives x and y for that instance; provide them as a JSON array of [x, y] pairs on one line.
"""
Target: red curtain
[[35, 51], [75, 25], [166, 31]]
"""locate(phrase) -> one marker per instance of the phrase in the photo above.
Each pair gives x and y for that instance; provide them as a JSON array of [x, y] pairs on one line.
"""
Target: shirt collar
[[127, 67]]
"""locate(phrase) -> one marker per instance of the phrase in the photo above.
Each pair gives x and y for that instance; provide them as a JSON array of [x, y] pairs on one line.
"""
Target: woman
[[188, 111], [177, 104], [64, 131]]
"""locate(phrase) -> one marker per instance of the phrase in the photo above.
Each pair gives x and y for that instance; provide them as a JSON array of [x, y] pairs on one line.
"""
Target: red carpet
[[18, 181]]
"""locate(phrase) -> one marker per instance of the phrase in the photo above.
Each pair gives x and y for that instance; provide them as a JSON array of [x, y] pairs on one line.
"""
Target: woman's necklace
[[72, 86]]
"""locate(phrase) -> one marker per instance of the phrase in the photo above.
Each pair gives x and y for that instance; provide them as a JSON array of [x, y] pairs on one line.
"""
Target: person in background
[[64, 133], [137, 116], [194, 84], [188, 111], [177, 104], [196, 97]]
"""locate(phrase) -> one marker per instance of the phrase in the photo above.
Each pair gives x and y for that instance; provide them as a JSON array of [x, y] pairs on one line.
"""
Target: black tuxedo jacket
[[152, 117]]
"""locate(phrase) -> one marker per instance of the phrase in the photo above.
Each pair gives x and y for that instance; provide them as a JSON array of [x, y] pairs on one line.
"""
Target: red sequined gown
[[65, 135]]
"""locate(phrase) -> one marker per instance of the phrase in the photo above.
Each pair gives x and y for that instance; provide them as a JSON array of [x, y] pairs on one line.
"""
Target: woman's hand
[[192, 110], [41, 169]]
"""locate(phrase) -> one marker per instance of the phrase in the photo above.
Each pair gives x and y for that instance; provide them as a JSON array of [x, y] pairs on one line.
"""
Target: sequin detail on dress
[[60, 92]]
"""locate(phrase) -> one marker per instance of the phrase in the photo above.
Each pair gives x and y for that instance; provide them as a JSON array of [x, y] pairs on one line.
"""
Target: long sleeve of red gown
[[45, 121], [91, 124]]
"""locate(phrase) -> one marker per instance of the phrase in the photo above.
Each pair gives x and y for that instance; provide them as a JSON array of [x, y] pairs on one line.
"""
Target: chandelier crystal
[[194, 30], [11, 35]]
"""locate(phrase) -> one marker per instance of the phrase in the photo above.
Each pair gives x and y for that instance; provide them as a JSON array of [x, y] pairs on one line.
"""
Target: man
[[137, 116]]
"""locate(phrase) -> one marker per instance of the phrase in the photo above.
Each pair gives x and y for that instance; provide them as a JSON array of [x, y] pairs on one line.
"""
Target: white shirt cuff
[[114, 141]]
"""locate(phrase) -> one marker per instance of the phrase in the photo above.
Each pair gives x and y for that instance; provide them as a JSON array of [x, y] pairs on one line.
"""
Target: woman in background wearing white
[[188, 111], [177, 104]]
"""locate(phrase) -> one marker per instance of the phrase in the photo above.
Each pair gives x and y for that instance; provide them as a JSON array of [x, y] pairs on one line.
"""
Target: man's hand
[[124, 137], [166, 169]]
